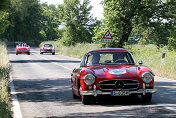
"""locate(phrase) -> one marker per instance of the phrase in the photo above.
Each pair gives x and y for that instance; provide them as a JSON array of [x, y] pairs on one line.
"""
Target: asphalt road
[[43, 89]]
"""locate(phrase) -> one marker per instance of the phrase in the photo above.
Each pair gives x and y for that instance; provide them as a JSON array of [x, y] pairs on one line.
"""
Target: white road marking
[[16, 106], [56, 63], [170, 108]]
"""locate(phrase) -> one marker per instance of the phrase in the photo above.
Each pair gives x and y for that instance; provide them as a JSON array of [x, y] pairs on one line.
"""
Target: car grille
[[23, 50], [48, 50], [118, 84]]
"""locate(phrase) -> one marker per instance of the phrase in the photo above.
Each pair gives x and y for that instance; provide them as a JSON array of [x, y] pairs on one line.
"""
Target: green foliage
[[50, 22], [4, 4], [172, 43], [129, 18], [151, 56], [25, 21], [5, 110], [4, 23], [77, 20]]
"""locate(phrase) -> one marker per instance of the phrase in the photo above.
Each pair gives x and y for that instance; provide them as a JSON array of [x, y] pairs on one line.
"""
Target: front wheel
[[75, 96], [53, 53], [147, 97], [28, 53], [16, 53]]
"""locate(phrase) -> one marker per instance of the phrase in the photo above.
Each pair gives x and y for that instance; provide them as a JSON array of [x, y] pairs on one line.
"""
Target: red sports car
[[47, 48], [113, 72], [22, 48]]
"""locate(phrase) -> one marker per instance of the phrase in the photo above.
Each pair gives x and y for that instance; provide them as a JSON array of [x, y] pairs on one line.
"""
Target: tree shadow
[[59, 90], [143, 112], [44, 61]]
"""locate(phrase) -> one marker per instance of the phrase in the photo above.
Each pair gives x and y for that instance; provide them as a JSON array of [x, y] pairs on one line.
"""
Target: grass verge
[[5, 109]]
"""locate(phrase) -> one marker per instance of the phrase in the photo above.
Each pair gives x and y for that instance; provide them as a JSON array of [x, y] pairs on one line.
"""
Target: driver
[[95, 58]]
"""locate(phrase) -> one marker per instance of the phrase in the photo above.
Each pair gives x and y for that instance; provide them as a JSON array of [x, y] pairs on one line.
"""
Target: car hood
[[115, 71]]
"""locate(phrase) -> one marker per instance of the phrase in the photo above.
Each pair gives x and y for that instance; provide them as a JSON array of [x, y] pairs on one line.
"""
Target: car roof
[[47, 44], [107, 49]]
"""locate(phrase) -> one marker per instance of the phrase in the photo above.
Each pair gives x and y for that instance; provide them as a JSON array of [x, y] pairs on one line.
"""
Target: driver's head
[[95, 58]]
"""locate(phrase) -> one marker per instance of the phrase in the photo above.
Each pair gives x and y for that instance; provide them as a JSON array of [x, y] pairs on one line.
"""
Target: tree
[[77, 20], [25, 21], [121, 16], [50, 22], [4, 4], [4, 23]]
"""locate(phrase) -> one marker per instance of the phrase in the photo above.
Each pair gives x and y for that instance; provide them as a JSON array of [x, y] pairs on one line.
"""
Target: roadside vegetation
[[5, 108]]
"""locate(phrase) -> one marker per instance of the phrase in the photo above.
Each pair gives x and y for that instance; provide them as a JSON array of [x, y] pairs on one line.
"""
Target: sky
[[97, 9]]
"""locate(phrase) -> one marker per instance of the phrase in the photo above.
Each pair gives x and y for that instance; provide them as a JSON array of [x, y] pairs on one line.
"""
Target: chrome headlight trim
[[89, 79], [147, 77]]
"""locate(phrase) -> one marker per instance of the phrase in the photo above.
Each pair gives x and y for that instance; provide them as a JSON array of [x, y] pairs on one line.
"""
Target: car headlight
[[147, 77], [89, 79]]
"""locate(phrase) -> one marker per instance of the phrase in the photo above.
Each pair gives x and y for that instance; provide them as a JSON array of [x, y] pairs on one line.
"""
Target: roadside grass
[[151, 56], [5, 109], [76, 51]]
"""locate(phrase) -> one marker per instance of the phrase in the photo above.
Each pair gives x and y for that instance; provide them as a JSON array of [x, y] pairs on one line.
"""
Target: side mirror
[[140, 62]]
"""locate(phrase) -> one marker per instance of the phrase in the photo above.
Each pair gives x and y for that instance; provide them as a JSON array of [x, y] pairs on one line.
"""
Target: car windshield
[[48, 45], [22, 45], [109, 57]]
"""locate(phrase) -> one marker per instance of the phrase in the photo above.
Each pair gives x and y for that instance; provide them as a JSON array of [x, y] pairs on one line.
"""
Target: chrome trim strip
[[98, 92]]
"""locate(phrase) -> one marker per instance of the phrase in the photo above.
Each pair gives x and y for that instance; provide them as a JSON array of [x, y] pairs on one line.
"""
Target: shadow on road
[[58, 90], [44, 61], [144, 112]]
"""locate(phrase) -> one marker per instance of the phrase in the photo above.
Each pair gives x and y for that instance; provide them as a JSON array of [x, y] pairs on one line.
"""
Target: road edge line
[[15, 104]]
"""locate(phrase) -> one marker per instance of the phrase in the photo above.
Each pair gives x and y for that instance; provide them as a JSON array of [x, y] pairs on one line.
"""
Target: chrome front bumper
[[95, 92]]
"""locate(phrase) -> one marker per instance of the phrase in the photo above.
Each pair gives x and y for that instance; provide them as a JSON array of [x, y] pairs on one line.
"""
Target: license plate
[[120, 93]]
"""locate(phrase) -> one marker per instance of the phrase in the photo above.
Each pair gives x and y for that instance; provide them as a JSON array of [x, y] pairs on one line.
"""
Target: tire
[[16, 53], [86, 99], [28, 53], [53, 53], [147, 97], [41, 52], [75, 96]]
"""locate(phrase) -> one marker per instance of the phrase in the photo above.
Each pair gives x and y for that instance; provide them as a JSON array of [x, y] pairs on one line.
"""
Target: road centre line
[[15, 103], [56, 63], [170, 108]]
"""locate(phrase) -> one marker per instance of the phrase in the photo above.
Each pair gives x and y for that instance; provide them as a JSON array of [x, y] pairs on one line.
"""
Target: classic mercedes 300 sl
[[113, 72], [47, 48]]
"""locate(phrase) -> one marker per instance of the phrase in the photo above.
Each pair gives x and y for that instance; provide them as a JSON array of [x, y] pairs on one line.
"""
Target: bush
[[172, 43], [5, 110]]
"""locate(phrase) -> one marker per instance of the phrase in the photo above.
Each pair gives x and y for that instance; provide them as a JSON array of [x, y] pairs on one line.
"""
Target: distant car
[[22, 48], [47, 48], [112, 72]]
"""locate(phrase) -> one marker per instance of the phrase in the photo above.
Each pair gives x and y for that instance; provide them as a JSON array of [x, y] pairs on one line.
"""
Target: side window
[[83, 61], [89, 60]]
